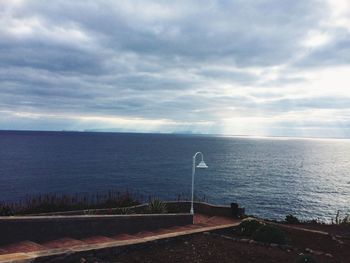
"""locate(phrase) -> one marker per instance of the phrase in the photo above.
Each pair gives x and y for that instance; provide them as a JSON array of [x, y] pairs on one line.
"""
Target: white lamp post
[[201, 165]]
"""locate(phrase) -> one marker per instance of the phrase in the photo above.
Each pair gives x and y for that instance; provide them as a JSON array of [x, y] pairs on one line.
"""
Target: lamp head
[[202, 165]]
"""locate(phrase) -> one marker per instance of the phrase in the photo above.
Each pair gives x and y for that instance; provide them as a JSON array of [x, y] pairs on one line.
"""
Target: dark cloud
[[245, 33], [183, 61]]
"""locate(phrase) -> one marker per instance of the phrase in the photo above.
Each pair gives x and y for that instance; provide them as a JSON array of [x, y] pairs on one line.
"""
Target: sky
[[240, 67]]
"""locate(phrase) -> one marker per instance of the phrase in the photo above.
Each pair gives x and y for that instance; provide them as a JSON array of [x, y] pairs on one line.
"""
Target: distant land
[[185, 133]]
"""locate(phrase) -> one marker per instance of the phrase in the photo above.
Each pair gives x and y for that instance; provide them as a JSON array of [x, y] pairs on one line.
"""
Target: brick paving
[[28, 249]]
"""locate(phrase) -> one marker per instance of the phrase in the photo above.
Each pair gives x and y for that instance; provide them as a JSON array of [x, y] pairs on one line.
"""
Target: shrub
[[46, 203], [248, 226], [156, 206], [341, 221], [290, 219], [270, 234], [337, 220], [124, 211], [305, 258], [5, 210]]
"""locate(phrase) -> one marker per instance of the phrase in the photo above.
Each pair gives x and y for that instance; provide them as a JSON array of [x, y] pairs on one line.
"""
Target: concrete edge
[[298, 228], [198, 202], [100, 211], [5, 218], [72, 212], [29, 257]]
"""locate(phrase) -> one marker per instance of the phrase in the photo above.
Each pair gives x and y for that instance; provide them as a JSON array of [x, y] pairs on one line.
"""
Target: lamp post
[[201, 165]]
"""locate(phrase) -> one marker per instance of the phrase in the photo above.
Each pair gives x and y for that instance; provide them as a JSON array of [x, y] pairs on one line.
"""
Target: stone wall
[[81, 224], [172, 206], [45, 228], [204, 208]]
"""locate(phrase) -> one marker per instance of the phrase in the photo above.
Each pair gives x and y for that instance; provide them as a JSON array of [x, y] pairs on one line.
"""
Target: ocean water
[[270, 177]]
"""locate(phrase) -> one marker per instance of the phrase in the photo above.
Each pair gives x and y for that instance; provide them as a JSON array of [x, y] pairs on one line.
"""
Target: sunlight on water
[[270, 177]]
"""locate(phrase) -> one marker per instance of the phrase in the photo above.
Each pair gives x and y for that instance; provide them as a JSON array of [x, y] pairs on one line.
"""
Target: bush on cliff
[[248, 226], [5, 210], [270, 234], [305, 258], [290, 219], [156, 206]]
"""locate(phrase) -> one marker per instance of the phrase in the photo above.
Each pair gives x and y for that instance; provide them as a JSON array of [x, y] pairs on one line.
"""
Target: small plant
[[337, 220], [124, 211], [156, 206], [248, 226], [270, 234], [305, 258], [341, 221], [290, 219], [47, 203], [5, 210]]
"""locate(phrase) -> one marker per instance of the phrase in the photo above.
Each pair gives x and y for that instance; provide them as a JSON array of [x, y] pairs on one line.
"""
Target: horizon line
[[184, 133]]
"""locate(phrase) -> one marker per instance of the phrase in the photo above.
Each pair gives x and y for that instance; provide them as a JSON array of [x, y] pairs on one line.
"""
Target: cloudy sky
[[240, 67]]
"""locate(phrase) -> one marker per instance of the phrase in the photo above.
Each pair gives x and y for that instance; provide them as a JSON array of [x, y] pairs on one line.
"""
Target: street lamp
[[201, 165]]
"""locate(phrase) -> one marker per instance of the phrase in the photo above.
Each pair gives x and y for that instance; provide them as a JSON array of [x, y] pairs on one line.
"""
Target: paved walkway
[[26, 251]]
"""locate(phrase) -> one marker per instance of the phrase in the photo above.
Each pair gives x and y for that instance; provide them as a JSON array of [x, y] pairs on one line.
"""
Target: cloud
[[184, 65]]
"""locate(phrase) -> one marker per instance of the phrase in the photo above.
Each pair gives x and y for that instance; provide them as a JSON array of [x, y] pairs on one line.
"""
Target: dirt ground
[[343, 230], [215, 248], [204, 248], [207, 248], [302, 240]]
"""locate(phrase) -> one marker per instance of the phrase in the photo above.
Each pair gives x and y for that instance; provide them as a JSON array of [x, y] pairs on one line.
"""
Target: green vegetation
[[262, 232], [339, 219], [305, 258], [5, 210], [270, 234], [156, 206], [57, 203], [124, 211], [248, 226], [290, 219]]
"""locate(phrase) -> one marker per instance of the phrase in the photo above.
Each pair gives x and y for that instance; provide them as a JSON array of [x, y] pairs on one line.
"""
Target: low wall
[[202, 208], [45, 228], [172, 207], [137, 209]]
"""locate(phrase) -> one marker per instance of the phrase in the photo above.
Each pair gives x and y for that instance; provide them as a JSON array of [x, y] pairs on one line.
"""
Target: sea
[[270, 177]]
